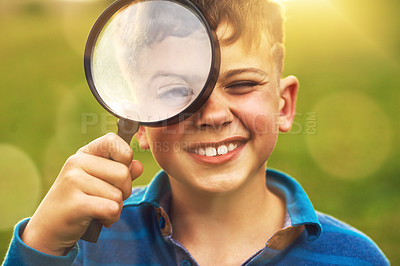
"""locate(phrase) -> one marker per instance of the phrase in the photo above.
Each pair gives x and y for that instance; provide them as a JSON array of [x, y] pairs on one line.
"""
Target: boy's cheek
[[266, 124], [160, 147], [258, 111], [180, 128], [261, 124]]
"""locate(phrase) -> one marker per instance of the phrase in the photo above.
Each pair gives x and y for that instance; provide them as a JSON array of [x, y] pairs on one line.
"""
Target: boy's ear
[[141, 136], [287, 102]]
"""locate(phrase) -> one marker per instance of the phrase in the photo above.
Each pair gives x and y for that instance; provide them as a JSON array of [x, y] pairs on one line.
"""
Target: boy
[[214, 203]]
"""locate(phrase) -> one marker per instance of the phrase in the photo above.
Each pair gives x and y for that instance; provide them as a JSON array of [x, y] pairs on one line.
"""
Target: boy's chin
[[218, 184], [218, 188], [221, 180]]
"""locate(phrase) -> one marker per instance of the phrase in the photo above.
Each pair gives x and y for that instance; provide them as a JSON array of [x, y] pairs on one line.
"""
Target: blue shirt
[[143, 235]]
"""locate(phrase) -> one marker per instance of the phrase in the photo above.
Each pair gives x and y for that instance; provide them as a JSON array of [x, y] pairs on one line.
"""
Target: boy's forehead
[[261, 48]]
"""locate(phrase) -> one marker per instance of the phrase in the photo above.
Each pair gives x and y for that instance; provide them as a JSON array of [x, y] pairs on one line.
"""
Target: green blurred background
[[343, 148]]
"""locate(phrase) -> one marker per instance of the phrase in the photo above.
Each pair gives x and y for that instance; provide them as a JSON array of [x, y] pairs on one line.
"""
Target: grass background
[[344, 146]]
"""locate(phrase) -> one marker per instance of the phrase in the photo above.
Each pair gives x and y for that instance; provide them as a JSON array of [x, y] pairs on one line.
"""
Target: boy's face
[[228, 141]]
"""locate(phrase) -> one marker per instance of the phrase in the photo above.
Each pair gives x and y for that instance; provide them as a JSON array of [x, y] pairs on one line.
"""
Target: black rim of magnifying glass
[[205, 92]]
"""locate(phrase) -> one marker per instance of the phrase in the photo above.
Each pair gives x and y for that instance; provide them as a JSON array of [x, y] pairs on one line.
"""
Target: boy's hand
[[91, 185]]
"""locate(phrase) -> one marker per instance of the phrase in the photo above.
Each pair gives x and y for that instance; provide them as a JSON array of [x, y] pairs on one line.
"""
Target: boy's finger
[[96, 187], [112, 172], [136, 169], [110, 146], [105, 210]]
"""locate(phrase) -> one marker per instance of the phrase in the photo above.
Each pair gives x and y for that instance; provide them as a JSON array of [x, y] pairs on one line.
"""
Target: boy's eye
[[242, 87], [175, 95]]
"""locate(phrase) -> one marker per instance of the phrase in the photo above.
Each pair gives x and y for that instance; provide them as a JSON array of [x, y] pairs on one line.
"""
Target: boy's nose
[[215, 113]]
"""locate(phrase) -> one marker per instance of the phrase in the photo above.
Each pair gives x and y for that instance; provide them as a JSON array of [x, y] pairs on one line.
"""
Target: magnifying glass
[[150, 62]]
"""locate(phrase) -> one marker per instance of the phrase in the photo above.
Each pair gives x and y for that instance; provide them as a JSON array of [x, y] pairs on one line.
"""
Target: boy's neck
[[246, 217]]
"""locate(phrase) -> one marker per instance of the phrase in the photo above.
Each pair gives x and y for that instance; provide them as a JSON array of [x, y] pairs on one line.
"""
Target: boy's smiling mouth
[[216, 152]]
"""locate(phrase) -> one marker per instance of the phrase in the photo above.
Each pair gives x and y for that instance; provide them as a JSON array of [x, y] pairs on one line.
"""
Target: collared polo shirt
[[143, 235]]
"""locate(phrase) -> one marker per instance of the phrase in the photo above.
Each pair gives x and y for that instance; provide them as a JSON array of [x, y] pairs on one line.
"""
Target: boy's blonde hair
[[253, 20]]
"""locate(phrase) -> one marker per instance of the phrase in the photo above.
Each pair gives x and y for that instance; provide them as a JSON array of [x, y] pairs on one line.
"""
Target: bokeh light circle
[[353, 136], [20, 186]]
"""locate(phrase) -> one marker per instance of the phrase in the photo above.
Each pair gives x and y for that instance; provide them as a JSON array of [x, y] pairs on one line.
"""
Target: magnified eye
[[175, 95]]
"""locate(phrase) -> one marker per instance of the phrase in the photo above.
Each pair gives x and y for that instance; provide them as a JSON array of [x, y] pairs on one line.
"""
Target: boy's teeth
[[211, 151], [201, 151], [232, 146], [222, 150]]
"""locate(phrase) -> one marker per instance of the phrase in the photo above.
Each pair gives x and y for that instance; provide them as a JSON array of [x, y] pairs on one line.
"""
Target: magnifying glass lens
[[151, 61]]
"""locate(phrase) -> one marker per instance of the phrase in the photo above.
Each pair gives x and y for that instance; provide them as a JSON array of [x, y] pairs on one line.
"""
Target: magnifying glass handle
[[126, 130]]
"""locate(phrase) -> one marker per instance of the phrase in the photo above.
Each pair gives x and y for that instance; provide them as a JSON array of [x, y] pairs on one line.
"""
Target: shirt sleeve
[[21, 254]]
